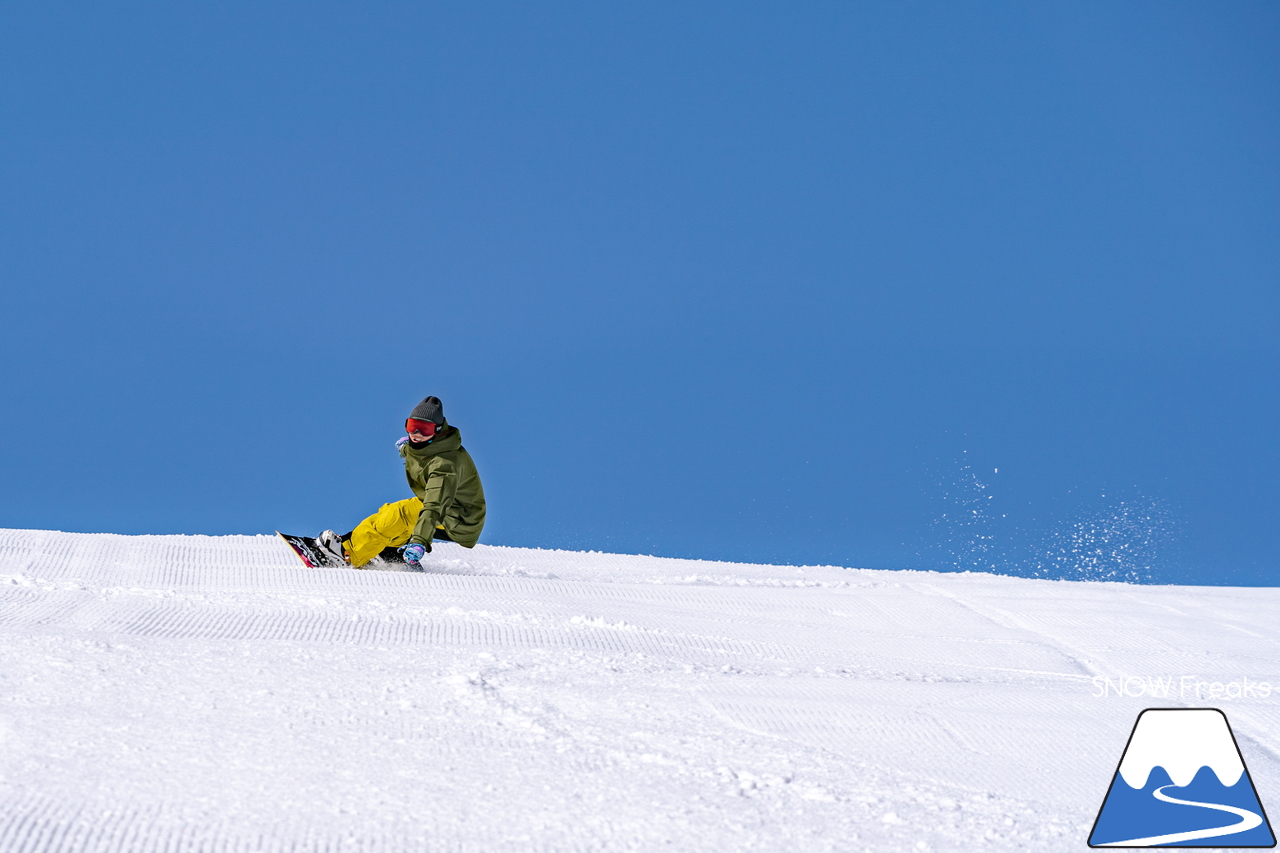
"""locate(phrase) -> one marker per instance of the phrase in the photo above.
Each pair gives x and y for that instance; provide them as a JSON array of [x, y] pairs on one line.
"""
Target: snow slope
[[183, 693]]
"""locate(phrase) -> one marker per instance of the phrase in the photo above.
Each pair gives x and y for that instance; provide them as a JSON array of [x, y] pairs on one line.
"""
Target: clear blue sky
[[732, 281]]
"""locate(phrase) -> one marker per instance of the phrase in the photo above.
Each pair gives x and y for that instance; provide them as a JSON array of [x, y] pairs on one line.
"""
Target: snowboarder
[[448, 502]]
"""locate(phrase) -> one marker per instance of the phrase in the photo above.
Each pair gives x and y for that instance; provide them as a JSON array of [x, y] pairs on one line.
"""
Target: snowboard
[[315, 557]]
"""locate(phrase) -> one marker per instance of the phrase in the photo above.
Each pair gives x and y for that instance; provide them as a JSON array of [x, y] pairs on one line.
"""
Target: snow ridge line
[[1006, 619], [20, 607], [41, 825], [390, 629]]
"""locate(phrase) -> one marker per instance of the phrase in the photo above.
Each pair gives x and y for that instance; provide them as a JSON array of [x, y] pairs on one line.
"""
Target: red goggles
[[426, 428]]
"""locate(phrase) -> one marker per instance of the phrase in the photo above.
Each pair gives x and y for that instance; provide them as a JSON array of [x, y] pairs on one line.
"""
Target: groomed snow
[[191, 693]]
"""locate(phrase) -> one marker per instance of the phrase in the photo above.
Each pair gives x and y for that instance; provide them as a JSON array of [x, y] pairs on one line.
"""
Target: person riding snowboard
[[448, 502]]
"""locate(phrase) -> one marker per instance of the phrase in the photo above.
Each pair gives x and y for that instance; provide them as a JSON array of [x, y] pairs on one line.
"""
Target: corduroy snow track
[[194, 693]]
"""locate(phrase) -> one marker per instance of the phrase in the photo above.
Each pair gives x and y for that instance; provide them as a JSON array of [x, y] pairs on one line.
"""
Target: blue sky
[[730, 281]]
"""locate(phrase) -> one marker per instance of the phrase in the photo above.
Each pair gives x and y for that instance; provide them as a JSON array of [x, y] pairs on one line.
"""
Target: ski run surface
[[196, 693]]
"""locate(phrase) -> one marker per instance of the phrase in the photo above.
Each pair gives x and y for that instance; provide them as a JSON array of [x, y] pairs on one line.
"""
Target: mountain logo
[[1181, 783]]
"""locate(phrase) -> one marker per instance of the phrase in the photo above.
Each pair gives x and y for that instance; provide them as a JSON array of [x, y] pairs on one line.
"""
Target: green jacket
[[444, 478]]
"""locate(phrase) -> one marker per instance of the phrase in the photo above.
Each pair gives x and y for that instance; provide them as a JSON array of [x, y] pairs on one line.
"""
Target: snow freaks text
[[1179, 687]]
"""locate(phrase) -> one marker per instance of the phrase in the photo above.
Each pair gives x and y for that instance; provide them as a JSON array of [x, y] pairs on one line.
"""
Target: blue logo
[[1182, 783]]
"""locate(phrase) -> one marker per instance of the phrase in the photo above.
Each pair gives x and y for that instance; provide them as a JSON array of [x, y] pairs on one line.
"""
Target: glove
[[413, 554], [402, 441]]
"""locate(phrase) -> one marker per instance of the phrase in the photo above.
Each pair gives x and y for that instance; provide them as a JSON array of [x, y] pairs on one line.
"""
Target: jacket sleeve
[[437, 494]]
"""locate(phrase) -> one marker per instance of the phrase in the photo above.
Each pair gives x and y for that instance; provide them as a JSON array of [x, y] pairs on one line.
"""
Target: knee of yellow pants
[[390, 526]]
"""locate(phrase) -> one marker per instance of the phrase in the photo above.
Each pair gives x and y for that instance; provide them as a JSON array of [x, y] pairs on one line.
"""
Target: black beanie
[[429, 410]]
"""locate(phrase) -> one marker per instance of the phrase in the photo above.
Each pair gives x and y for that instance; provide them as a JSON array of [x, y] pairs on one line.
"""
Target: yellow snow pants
[[390, 526]]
